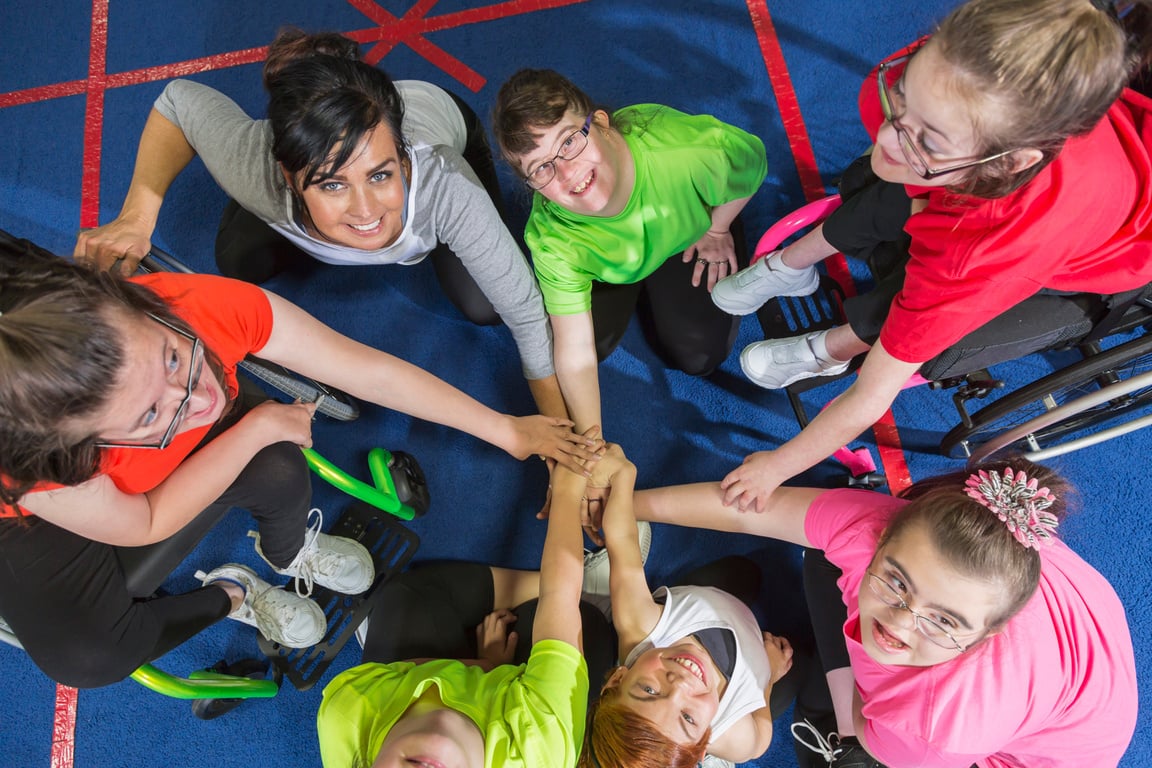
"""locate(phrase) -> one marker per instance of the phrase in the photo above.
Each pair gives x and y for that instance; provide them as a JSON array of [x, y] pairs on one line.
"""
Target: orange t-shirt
[[233, 319]]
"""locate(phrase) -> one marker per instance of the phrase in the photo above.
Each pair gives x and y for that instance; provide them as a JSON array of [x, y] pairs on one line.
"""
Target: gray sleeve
[[466, 221], [236, 149]]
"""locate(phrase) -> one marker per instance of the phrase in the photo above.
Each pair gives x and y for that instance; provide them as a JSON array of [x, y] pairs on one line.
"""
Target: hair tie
[[1018, 502]]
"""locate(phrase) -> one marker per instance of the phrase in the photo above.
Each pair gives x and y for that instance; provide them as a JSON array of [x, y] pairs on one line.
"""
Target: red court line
[[94, 116], [887, 436], [64, 727]]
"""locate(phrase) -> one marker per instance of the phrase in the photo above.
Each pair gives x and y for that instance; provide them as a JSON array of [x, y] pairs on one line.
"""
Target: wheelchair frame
[[1098, 398]]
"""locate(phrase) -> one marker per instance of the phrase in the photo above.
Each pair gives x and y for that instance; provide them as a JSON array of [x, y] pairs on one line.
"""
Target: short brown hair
[[530, 102]]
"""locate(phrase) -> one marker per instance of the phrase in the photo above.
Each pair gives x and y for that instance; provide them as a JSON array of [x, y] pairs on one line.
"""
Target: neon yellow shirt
[[531, 715], [686, 165]]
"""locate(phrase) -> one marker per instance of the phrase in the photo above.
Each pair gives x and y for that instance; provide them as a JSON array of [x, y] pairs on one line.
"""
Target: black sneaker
[[837, 751]]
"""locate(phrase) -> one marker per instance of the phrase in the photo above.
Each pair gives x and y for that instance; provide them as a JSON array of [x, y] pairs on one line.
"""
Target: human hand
[[117, 247], [278, 422], [715, 253], [750, 484], [779, 652], [495, 644], [553, 438]]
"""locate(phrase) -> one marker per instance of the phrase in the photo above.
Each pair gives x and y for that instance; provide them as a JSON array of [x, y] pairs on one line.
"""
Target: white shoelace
[[309, 560], [822, 747]]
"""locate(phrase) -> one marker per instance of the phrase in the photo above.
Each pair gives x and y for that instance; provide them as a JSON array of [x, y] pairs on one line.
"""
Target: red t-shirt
[[1083, 224], [233, 319]]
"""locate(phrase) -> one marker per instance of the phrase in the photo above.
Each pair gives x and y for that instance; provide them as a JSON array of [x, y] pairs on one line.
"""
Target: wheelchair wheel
[[1096, 399], [336, 404]]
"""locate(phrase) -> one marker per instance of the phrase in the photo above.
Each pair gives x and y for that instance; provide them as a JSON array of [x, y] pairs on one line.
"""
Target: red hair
[[618, 737]]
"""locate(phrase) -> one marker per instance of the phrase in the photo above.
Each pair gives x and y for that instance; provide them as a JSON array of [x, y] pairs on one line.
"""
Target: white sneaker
[[596, 562], [776, 363], [341, 564], [282, 617], [748, 290]]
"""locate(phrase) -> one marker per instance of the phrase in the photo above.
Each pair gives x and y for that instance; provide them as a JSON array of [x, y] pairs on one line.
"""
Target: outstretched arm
[[634, 612], [879, 381], [163, 153], [577, 368], [702, 506], [302, 343], [562, 564]]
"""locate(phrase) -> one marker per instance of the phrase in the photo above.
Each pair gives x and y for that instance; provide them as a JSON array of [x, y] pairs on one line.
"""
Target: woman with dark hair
[[122, 419], [989, 136], [349, 168], [953, 627]]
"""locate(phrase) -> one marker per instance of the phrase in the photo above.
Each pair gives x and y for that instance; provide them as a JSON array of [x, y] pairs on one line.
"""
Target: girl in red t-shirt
[[989, 139], [121, 420]]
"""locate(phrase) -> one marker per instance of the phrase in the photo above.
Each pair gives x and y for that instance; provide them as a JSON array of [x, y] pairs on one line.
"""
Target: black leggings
[[684, 327], [250, 250], [432, 610], [84, 610]]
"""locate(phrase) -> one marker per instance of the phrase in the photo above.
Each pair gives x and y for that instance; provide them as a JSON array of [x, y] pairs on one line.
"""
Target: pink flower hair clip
[[1019, 502]]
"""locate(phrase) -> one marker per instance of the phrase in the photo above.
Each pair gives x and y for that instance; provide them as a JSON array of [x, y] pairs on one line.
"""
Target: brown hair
[[293, 44], [1049, 68], [529, 103], [618, 737], [61, 353], [974, 540]]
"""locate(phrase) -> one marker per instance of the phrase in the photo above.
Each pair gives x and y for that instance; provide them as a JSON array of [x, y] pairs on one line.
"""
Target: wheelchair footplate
[[392, 546], [786, 316]]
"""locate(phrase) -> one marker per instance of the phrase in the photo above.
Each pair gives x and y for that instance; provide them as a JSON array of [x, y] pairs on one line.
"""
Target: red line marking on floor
[[887, 437], [94, 116], [64, 727]]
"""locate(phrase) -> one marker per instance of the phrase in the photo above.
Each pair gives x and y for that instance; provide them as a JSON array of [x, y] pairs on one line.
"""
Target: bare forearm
[[580, 384], [723, 215], [549, 399], [163, 153]]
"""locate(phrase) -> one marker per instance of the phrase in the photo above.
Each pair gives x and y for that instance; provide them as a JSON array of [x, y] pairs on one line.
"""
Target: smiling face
[[153, 382], [361, 204], [677, 688], [937, 119], [934, 589], [598, 181]]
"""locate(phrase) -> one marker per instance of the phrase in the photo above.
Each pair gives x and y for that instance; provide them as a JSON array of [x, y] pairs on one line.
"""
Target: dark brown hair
[[61, 353]]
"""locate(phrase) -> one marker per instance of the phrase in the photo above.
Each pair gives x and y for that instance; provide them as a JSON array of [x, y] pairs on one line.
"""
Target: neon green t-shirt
[[531, 715], [685, 166]]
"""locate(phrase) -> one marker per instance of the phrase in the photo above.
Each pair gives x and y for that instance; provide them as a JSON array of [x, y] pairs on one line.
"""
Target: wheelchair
[[1103, 394], [398, 491]]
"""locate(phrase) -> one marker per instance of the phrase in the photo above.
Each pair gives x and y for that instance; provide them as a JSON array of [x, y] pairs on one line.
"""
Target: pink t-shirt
[[1056, 687]]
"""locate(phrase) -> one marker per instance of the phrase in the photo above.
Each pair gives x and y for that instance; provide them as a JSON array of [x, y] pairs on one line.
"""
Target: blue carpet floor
[[76, 83]]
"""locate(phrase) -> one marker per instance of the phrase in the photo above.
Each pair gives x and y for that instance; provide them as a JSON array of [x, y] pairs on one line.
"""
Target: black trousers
[[248, 249], [684, 327], [85, 612], [432, 610]]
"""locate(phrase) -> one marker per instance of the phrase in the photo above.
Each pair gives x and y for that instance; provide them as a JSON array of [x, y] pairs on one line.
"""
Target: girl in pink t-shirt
[[972, 636]]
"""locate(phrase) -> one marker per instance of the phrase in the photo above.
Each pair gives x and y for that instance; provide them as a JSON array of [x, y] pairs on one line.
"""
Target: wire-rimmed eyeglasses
[[195, 366], [542, 175]]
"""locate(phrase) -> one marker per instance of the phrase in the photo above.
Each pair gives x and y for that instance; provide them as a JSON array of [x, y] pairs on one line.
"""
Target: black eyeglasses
[[542, 175], [931, 629], [195, 366], [888, 78]]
